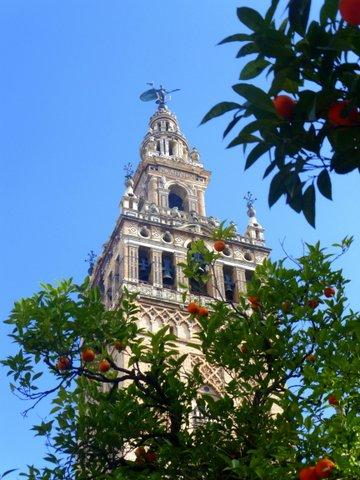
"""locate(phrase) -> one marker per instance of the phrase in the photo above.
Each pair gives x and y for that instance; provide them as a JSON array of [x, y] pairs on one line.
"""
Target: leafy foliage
[[317, 62], [284, 347]]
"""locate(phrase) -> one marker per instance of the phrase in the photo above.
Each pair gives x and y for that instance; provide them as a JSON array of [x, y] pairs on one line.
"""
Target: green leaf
[[220, 109], [270, 13], [237, 37], [328, 11], [256, 96], [8, 471], [324, 184], [243, 138], [256, 153], [231, 125], [299, 15], [308, 206], [253, 68], [277, 187], [250, 17], [247, 49], [269, 169]]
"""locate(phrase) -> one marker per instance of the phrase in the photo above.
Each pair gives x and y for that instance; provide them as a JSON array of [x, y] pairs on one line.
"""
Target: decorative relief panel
[[213, 376]]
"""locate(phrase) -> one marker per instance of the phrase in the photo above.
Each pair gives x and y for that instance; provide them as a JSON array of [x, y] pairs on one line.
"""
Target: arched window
[[178, 198], [196, 286], [144, 264], [249, 275], [158, 146], [229, 283], [168, 270]]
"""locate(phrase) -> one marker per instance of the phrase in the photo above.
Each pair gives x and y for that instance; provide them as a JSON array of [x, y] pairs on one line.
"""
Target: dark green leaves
[[253, 68], [251, 18], [299, 15], [220, 109], [324, 184], [255, 96], [237, 37], [308, 204], [255, 154]]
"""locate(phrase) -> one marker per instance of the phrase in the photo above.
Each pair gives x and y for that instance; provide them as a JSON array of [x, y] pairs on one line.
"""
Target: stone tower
[[162, 212]]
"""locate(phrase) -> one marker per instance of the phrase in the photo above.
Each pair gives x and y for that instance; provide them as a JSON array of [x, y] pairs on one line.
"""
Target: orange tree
[[289, 347], [307, 121]]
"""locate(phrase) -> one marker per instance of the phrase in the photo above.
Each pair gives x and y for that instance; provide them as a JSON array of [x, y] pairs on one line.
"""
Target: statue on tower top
[[160, 95], [250, 204]]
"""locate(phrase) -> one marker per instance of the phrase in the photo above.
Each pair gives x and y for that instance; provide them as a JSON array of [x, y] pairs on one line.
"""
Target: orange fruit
[[286, 306], [324, 467], [284, 106], [254, 302], [308, 473], [350, 11], [219, 245], [193, 308], [150, 456], [243, 347], [329, 292], [120, 346], [337, 116], [313, 303], [140, 452], [64, 363], [104, 365], [311, 357], [203, 312], [332, 399], [88, 355]]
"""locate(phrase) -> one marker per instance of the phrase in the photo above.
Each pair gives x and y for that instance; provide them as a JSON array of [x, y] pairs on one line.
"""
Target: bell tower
[[162, 212]]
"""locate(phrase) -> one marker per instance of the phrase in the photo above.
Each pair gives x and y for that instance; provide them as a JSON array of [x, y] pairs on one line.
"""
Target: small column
[[219, 287], [180, 277], [156, 264], [131, 265], [152, 192], [201, 202], [240, 281]]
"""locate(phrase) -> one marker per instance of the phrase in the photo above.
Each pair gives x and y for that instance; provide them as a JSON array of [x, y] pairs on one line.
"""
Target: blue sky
[[70, 119]]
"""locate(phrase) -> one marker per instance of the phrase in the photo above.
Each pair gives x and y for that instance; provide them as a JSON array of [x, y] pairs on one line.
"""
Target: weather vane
[[90, 259], [129, 170], [250, 203], [160, 95]]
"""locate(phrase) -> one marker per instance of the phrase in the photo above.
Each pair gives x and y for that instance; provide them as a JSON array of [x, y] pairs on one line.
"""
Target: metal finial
[[160, 95], [90, 259], [250, 204]]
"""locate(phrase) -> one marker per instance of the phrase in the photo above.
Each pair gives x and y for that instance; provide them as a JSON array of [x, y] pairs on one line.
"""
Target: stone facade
[[162, 212]]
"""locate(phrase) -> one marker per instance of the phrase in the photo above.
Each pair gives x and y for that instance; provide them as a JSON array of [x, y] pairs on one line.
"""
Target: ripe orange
[[193, 308], [64, 363], [243, 347], [350, 11], [254, 302], [219, 245], [286, 306], [88, 355], [284, 106], [140, 452], [332, 399], [308, 473], [120, 346], [329, 292], [311, 358], [203, 312], [324, 468], [313, 303], [150, 456], [104, 365], [337, 116]]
